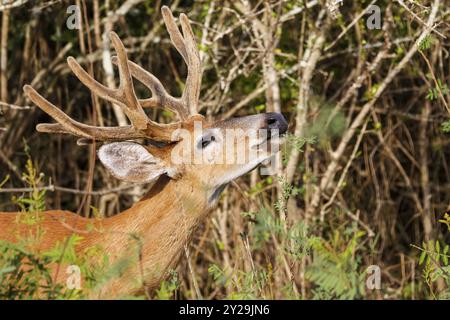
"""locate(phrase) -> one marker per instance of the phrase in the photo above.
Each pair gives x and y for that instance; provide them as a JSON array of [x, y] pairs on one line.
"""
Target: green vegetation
[[364, 174]]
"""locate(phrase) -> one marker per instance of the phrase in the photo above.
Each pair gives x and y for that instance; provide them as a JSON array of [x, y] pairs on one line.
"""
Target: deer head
[[191, 148]]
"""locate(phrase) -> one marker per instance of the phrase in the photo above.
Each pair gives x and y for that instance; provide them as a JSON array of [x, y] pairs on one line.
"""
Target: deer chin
[[269, 144], [250, 166]]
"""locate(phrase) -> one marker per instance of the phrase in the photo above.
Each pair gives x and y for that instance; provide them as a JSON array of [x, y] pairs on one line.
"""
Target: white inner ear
[[131, 162]]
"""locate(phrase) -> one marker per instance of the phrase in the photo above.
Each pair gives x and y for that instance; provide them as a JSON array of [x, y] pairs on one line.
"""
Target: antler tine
[[124, 95], [160, 132], [160, 97], [175, 35], [68, 125], [142, 126], [186, 46], [137, 115], [191, 91]]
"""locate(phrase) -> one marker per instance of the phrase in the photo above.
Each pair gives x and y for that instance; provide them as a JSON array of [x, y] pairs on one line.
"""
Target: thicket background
[[363, 180]]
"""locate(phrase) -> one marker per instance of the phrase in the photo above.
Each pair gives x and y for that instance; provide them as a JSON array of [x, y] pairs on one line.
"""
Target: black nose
[[276, 121]]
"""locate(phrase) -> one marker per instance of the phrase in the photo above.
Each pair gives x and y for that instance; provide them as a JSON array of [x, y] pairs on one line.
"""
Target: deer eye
[[206, 141]]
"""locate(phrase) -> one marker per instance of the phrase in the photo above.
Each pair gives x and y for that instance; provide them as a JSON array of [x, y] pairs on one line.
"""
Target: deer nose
[[276, 121]]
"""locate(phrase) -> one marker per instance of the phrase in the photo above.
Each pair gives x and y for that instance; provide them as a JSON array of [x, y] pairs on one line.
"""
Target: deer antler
[[186, 46], [125, 96]]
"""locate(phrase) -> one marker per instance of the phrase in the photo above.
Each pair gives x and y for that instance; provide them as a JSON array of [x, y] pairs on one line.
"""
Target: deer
[[183, 193]]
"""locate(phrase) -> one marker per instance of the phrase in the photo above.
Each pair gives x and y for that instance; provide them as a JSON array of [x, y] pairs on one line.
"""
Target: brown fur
[[163, 221], [152, 233]]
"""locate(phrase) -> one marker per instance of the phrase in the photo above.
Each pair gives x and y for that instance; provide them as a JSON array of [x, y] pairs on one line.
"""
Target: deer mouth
[[274, 139]]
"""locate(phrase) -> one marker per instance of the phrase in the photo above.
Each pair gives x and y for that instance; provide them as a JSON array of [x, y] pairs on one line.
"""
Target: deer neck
[[155, 230]]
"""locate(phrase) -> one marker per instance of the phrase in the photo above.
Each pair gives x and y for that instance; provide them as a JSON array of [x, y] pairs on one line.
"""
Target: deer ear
[[131, 162]]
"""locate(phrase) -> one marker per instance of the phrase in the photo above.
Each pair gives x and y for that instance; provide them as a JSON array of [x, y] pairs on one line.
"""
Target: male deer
[[183, 193]]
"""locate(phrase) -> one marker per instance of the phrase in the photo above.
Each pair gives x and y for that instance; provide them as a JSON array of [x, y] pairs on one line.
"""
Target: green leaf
[[445, 126], [422, 257]]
